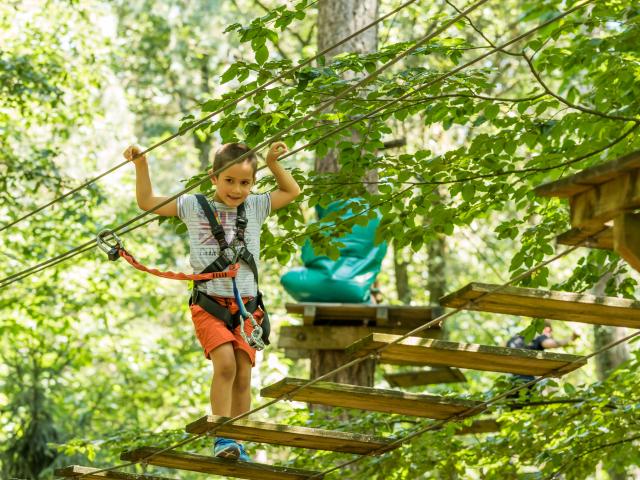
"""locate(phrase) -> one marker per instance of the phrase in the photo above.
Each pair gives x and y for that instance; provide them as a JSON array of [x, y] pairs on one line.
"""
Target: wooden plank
[[335, 337], [585, 179], [88, 473], [389, 315], [301, 354], [432, 376], [468, 355], [626, 238], [530, 302], [216, 466], [372, 399], [309, 314], [586, 238], [593, 208], [292, 436]]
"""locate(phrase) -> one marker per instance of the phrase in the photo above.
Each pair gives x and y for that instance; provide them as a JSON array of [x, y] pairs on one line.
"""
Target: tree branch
[[570, 104]]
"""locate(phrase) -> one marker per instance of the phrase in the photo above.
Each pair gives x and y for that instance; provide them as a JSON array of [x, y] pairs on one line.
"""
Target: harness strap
[[209, 305], [214, 224], [204, 276]]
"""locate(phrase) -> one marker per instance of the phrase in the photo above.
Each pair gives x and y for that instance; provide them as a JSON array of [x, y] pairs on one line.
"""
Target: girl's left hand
[[276, 150]]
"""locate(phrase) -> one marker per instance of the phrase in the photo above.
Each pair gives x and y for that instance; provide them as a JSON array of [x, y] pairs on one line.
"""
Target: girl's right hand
[[132, 153]]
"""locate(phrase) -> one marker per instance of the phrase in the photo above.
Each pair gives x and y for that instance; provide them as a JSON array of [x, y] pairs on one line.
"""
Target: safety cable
[[211, 115], [376, 354], [275, 137], [19, 275]]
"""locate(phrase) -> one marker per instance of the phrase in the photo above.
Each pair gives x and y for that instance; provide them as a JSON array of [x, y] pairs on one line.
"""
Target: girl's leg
[[224, 375], [241, 397]]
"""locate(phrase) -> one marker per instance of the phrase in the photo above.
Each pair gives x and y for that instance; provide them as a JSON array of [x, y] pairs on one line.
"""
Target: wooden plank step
[[468, 355], [334, 337], [372, 399], [390, 316], [87, 472], [530, 302], [216, 466], [432, 376], [302, 437], [588, 178], [577, 236]]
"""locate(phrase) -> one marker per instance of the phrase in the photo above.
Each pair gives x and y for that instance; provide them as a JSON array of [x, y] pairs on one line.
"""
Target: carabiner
[[255, 341], [111, 249]]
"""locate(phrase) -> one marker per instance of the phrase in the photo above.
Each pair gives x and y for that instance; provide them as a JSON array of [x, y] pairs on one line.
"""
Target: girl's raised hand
[[132, 153], [276, 150]]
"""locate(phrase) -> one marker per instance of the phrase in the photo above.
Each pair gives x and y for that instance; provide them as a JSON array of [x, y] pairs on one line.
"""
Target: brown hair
[[228, 152]]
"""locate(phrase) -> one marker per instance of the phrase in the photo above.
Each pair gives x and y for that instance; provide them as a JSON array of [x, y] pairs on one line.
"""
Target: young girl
[[230, 354]]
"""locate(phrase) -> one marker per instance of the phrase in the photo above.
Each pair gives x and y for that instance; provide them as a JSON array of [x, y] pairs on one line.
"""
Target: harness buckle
[[242, 222], [111, 249]]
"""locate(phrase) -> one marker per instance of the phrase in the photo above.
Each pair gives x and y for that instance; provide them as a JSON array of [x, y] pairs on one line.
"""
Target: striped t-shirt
[[204, 248]]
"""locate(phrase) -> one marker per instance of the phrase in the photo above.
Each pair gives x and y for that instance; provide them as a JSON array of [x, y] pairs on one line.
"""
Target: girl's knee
[[243, 372], [224, 363]]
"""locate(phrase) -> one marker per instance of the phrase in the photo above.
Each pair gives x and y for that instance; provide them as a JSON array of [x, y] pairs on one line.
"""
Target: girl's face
[[234, 184]]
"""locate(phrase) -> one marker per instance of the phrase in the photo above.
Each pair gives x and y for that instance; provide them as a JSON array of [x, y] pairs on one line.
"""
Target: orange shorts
[[212, 332]]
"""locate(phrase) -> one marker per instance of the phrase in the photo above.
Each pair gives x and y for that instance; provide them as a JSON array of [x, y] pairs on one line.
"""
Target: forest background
[[97, 358]]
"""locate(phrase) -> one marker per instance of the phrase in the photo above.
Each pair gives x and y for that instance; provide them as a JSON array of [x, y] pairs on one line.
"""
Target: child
[[230, 354]]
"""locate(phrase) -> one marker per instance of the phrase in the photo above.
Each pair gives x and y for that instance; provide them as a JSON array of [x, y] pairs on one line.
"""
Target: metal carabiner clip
[[111, 249]]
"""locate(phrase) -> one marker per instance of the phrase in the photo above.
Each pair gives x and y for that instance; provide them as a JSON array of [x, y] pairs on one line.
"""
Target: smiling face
[[234, 184]]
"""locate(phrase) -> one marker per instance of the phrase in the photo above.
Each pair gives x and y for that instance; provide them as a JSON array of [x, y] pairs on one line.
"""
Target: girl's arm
[[144, 191], [288, 188]]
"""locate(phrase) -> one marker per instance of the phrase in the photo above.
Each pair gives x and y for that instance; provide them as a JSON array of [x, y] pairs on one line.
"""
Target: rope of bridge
[[376, 354]]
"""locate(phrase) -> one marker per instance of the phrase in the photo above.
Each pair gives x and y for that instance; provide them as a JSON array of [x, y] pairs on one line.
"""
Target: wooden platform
[[432, 376], [467, 355], [75, 471], [372, 399], [530, 302], [602, 197], [390, 316], [216, 466], [590, 177], [302, 437]]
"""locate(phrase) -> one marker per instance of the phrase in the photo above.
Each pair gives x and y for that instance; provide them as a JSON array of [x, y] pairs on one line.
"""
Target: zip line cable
[[19, 275], [211, 115], [376, 354]]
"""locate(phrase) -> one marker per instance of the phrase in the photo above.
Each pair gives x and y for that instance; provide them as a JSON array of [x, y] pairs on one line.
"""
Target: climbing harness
[[221, 267], [260, 334]]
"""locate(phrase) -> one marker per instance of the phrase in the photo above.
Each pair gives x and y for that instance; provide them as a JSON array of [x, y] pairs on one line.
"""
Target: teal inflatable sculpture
[[346, 280]]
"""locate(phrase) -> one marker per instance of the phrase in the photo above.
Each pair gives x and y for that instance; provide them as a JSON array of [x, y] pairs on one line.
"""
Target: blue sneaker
[[243, 454], [226, 448]]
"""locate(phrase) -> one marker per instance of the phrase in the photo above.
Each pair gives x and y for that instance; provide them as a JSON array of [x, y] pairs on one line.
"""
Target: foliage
[[94, 359]]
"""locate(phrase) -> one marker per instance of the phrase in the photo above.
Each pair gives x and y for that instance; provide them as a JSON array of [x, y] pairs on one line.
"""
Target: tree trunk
[[336, 20], [402, 275], [607, 361], [436, 277]]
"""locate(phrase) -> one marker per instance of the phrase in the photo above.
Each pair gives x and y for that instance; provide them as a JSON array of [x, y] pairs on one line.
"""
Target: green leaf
[[468, 191], [262, 54], [492, 111]]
